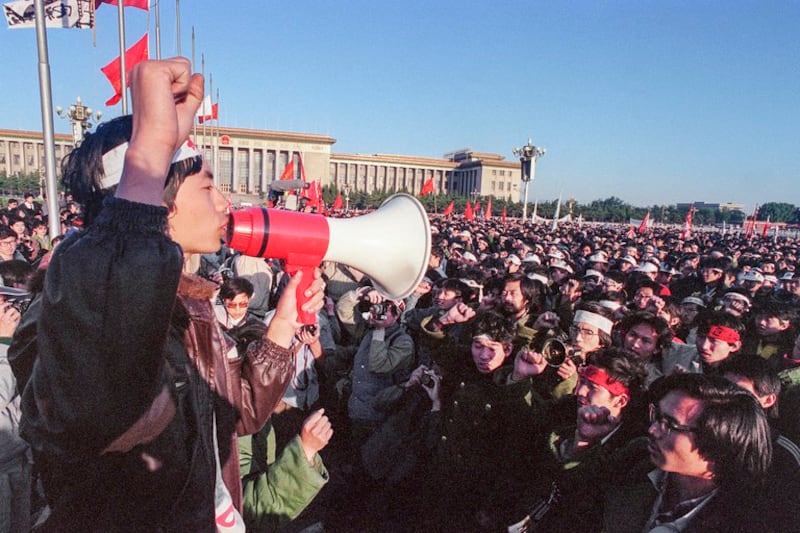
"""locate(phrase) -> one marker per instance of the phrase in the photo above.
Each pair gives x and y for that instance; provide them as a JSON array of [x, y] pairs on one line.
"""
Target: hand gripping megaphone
[[391, 245]]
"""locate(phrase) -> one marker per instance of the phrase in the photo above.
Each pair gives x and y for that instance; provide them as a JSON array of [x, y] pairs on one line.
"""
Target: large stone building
[[246, 161]]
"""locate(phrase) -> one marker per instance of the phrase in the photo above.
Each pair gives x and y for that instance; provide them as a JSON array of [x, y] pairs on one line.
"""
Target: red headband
[[600, 377], [723, 333]]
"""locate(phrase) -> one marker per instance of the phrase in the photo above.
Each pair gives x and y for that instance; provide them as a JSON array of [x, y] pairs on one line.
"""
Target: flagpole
[[46, 100], [123, 73], [157, 6], [178, 24], [210, 93], [215, 143]]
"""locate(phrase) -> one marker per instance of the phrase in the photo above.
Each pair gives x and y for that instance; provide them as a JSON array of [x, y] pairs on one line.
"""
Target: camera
[[376, 311], [427, 378]]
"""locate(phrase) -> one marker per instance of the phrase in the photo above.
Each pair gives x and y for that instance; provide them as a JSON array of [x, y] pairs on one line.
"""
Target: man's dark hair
[[623, 366], [731, 432], [659, 325], [529, 288], [494, 325], [6, 232], [456, 285], [774, 309], [233, 287], [718, 318], [82, 169], [758, 370]]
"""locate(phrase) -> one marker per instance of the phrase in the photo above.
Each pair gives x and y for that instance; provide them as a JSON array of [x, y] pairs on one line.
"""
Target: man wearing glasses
[[710, 443], [8, 244]]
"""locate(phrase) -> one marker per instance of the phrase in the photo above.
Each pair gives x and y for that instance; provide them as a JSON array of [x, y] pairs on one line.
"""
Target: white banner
[[57, 14]]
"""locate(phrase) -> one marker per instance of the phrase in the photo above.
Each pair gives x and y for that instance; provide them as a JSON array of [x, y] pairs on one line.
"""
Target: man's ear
[[768, 400], [621, 401]]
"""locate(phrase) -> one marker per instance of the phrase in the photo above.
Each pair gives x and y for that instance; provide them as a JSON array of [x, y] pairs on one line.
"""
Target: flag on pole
[[427, 188], [766, 229], [141, 4], [133, 55], [488, 214], [643, 225], [750, 226], [468, 214], [477, 207], [337, 203], [20, 14], [288, 172], [207, 110], [449, 209], [503, 216]]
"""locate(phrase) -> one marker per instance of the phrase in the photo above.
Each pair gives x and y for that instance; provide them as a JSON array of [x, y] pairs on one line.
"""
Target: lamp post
[[346, 197], [528, 155], [81, 117]]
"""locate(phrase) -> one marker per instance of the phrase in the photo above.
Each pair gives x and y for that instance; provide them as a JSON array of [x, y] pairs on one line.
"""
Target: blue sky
[[655, 102]]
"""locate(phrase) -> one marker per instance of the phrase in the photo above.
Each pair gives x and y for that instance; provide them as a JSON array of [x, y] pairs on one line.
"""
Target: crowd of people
[[580, 378]]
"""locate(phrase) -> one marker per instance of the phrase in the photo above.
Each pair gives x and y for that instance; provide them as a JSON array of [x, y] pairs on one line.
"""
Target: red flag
[[288, 172], [503, 216], [750, 226], [766, 229], [213, 115], [468, 214], [488, 214], [312, 195], [643, 225], [133, 55], [337, 203], [427, 188], [477, 207], [449, 209], [141, 4]]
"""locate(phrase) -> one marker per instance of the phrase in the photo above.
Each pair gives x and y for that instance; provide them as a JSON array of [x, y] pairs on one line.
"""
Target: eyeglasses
[[665, 424], [574, 330], [237, 305], [8, 243]]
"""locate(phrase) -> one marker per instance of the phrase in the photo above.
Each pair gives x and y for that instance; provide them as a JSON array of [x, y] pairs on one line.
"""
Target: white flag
[[205, 109], [57, 14]]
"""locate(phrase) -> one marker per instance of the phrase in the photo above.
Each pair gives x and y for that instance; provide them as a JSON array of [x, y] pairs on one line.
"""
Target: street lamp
[[346, 197], [81, 118], [528, 155]]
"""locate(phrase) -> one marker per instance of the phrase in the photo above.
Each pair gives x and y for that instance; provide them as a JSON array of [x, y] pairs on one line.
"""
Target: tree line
[[610, 209]]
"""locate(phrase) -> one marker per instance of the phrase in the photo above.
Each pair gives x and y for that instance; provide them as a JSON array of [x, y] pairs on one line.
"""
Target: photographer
[[478, 434], [384, 358]]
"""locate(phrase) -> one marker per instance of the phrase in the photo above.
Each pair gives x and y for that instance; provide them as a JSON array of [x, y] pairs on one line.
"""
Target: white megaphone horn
[[391, 245]]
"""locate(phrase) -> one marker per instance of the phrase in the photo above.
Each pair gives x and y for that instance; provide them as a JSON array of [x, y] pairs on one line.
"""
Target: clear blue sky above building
[[655, 102]]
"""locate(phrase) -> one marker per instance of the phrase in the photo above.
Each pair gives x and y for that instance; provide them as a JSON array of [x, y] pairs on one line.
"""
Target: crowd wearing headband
[[114, 161]]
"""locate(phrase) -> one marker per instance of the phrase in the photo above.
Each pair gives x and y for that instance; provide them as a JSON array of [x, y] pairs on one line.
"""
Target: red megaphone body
[[390, 245]]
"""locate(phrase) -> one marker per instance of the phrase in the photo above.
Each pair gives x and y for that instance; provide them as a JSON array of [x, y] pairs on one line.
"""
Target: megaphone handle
[[305, 283]]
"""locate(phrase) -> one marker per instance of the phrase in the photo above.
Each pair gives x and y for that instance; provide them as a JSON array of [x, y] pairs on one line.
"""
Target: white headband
[[593, 319], [114, 161], [609, 304]]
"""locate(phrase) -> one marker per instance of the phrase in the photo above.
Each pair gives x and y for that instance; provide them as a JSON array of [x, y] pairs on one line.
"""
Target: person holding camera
[[477, 431], [384, 358]]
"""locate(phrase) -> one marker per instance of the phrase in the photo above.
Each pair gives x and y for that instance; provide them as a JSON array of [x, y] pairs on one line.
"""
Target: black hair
[[82, 169], [731, 431], [494, 325], [659, 325], [622, 366], [233, 287], [529, 289], [765, 378]]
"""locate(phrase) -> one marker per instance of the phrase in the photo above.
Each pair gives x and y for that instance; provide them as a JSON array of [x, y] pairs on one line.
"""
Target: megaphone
[[391, 245]]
